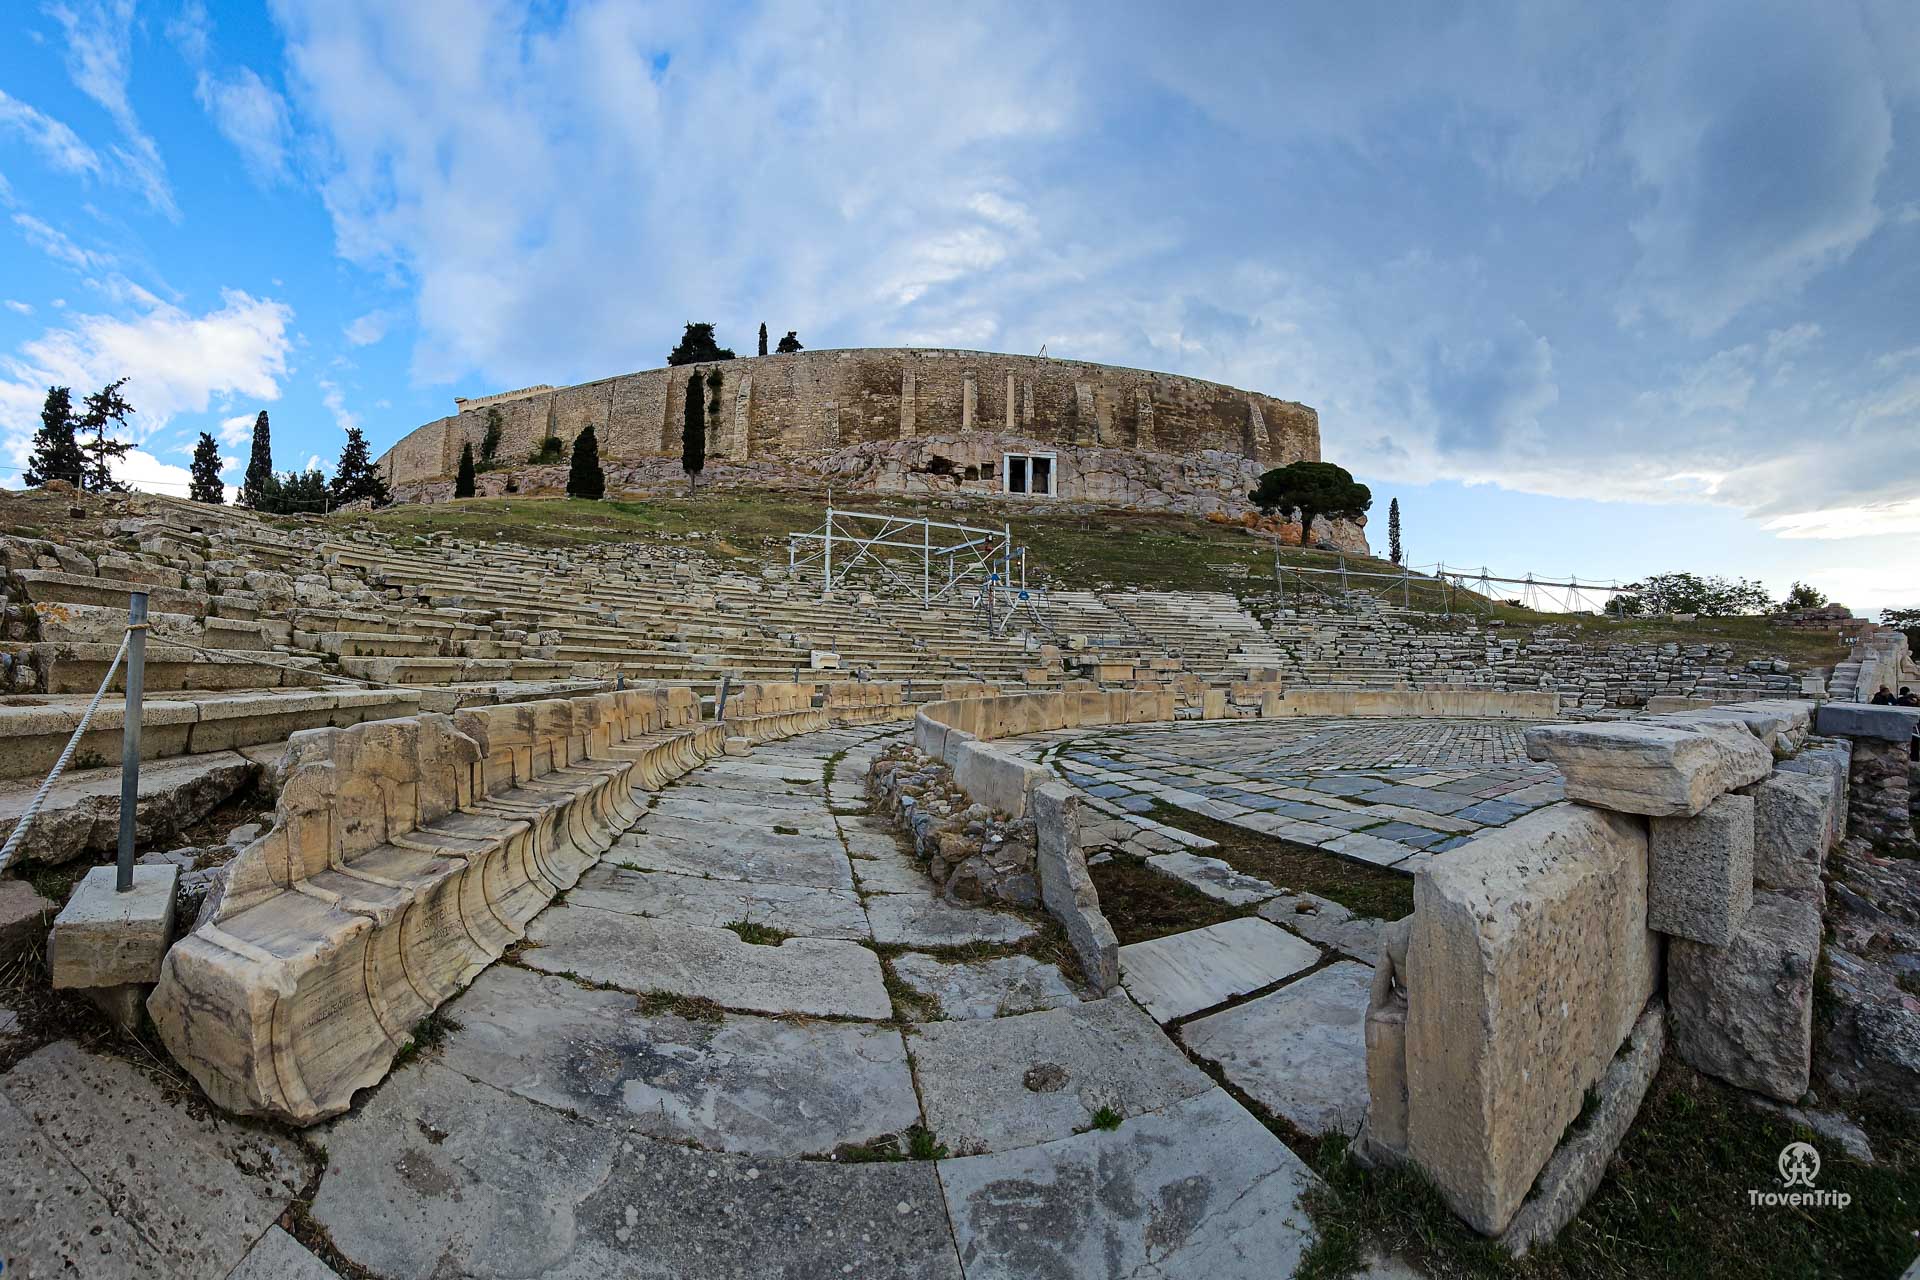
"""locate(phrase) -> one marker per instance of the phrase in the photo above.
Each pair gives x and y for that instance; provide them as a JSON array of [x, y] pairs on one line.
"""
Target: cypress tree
[[356, 477], [1393, 530], [206, 486], [763, 337], [253, 489], [584, 477], [463, 482], [693, 434], [56, 455], [490, 442]]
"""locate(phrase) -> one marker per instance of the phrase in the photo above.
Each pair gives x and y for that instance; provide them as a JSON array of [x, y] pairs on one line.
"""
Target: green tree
[[1394, 551], [259, 465], [789, 344], [585, 479], [299, 493], [356, 476], [1314, 489], [763, 337], [697, 346], [56, 455], [1802, 595], [1908, 620], [490, 441], [103, 408], [1709, 596], [693, 434], [463, 480], [206, 486]]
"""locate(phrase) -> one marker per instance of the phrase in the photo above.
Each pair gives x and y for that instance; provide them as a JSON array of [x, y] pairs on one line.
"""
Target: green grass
[[1673, 1205], [1106, 1118], [1362, 889], [760, 935]]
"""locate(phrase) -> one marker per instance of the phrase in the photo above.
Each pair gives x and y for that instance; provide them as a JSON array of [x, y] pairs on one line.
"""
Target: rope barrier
[[19, 831]]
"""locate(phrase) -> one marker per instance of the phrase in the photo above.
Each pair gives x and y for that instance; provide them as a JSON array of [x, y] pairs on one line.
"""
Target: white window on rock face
[[1029, 473]]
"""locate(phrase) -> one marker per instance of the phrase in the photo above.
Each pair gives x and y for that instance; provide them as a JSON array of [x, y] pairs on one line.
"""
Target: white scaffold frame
[[966, 564]]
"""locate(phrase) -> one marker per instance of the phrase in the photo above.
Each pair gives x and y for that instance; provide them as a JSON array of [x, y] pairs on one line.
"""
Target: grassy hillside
[[1104, 549]]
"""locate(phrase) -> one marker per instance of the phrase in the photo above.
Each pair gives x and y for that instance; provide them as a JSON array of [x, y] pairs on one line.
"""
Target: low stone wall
[[1528, 972], [971, 853], [958, 731], [404, 856], [1446, 703]]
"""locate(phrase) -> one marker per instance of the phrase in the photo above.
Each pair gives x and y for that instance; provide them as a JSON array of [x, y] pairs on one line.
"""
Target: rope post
[[720, 702], [130, 736]]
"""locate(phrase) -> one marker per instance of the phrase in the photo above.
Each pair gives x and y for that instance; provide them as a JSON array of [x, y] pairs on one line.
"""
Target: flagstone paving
[[652, 1087], [1390, 792]]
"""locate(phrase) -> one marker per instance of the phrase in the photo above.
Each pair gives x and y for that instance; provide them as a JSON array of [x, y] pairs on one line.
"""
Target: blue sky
[[1603, 290]]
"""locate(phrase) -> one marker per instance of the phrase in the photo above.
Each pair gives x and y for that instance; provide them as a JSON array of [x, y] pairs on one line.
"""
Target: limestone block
[[1068, 890], [1530, 960], [1651, 767], [23, 918], [1792, 829], [1386, 1042], [823, 660], [1575, 1171], [103, 938], [1864, 720], [1001, 782], [1744, 1012], [1700, 871], [1830, 759]]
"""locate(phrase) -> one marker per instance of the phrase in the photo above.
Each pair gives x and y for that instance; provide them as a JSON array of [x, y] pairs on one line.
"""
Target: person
[[1907, 698], [1884, 698]]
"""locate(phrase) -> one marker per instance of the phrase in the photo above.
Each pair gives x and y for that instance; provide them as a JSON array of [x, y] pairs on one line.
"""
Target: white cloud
[[237, 430], [144, 471], [18, 307], [252, 116], [336, 402], [100, 63], [54, 140], [175, 362], [57, 245], [369, 328]]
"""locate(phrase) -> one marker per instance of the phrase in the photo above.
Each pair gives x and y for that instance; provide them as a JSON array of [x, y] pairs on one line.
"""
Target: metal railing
[[133, 647]]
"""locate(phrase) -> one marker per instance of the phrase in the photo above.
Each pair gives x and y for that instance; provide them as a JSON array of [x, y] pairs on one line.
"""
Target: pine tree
[[206, 486], [490, 442], [1393, 530], [356, 477], [693, 434], [789, 344], [104, 406], [763, 337], [585, 479], [253, 487], [697, 346], [56, 455], [463, 480]]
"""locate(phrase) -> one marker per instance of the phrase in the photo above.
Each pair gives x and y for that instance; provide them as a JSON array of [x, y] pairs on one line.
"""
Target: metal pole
[[130, 736], [826, 583], [720, 703], [1343, 571], [926, 561]]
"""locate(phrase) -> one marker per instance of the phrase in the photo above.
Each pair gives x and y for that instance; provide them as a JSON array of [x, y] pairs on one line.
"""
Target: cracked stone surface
[[1198, 1189], [995, 988]]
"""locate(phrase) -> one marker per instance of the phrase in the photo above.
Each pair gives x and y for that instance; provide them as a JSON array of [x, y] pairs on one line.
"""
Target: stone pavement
[[728, 1052], [1390, 792]]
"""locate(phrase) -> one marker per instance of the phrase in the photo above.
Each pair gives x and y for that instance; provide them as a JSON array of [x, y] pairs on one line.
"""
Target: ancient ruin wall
[[804, 407]]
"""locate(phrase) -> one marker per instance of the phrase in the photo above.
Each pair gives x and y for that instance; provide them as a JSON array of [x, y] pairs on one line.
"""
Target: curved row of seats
[[404, 857]]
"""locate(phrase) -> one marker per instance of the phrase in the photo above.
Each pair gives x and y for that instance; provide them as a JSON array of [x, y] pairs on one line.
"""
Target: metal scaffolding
[[932, 559], [1459, 590]]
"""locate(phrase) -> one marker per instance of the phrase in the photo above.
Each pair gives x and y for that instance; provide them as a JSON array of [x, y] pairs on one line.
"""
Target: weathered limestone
[[1792, 829], [1700, 871], [1651, 767], [1299, 1051], [1530, 959], [1744, 1012], [1577, 1167], [108, 945], [1183, 973], [1068, 890], [405, 855]]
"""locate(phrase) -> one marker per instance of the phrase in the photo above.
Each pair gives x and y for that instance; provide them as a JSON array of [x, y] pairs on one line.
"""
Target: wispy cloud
[[99, 36], [57, 143], [56, 244]]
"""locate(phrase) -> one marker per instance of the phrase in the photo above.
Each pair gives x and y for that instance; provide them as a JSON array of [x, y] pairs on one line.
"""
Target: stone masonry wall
[[813, 405]]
